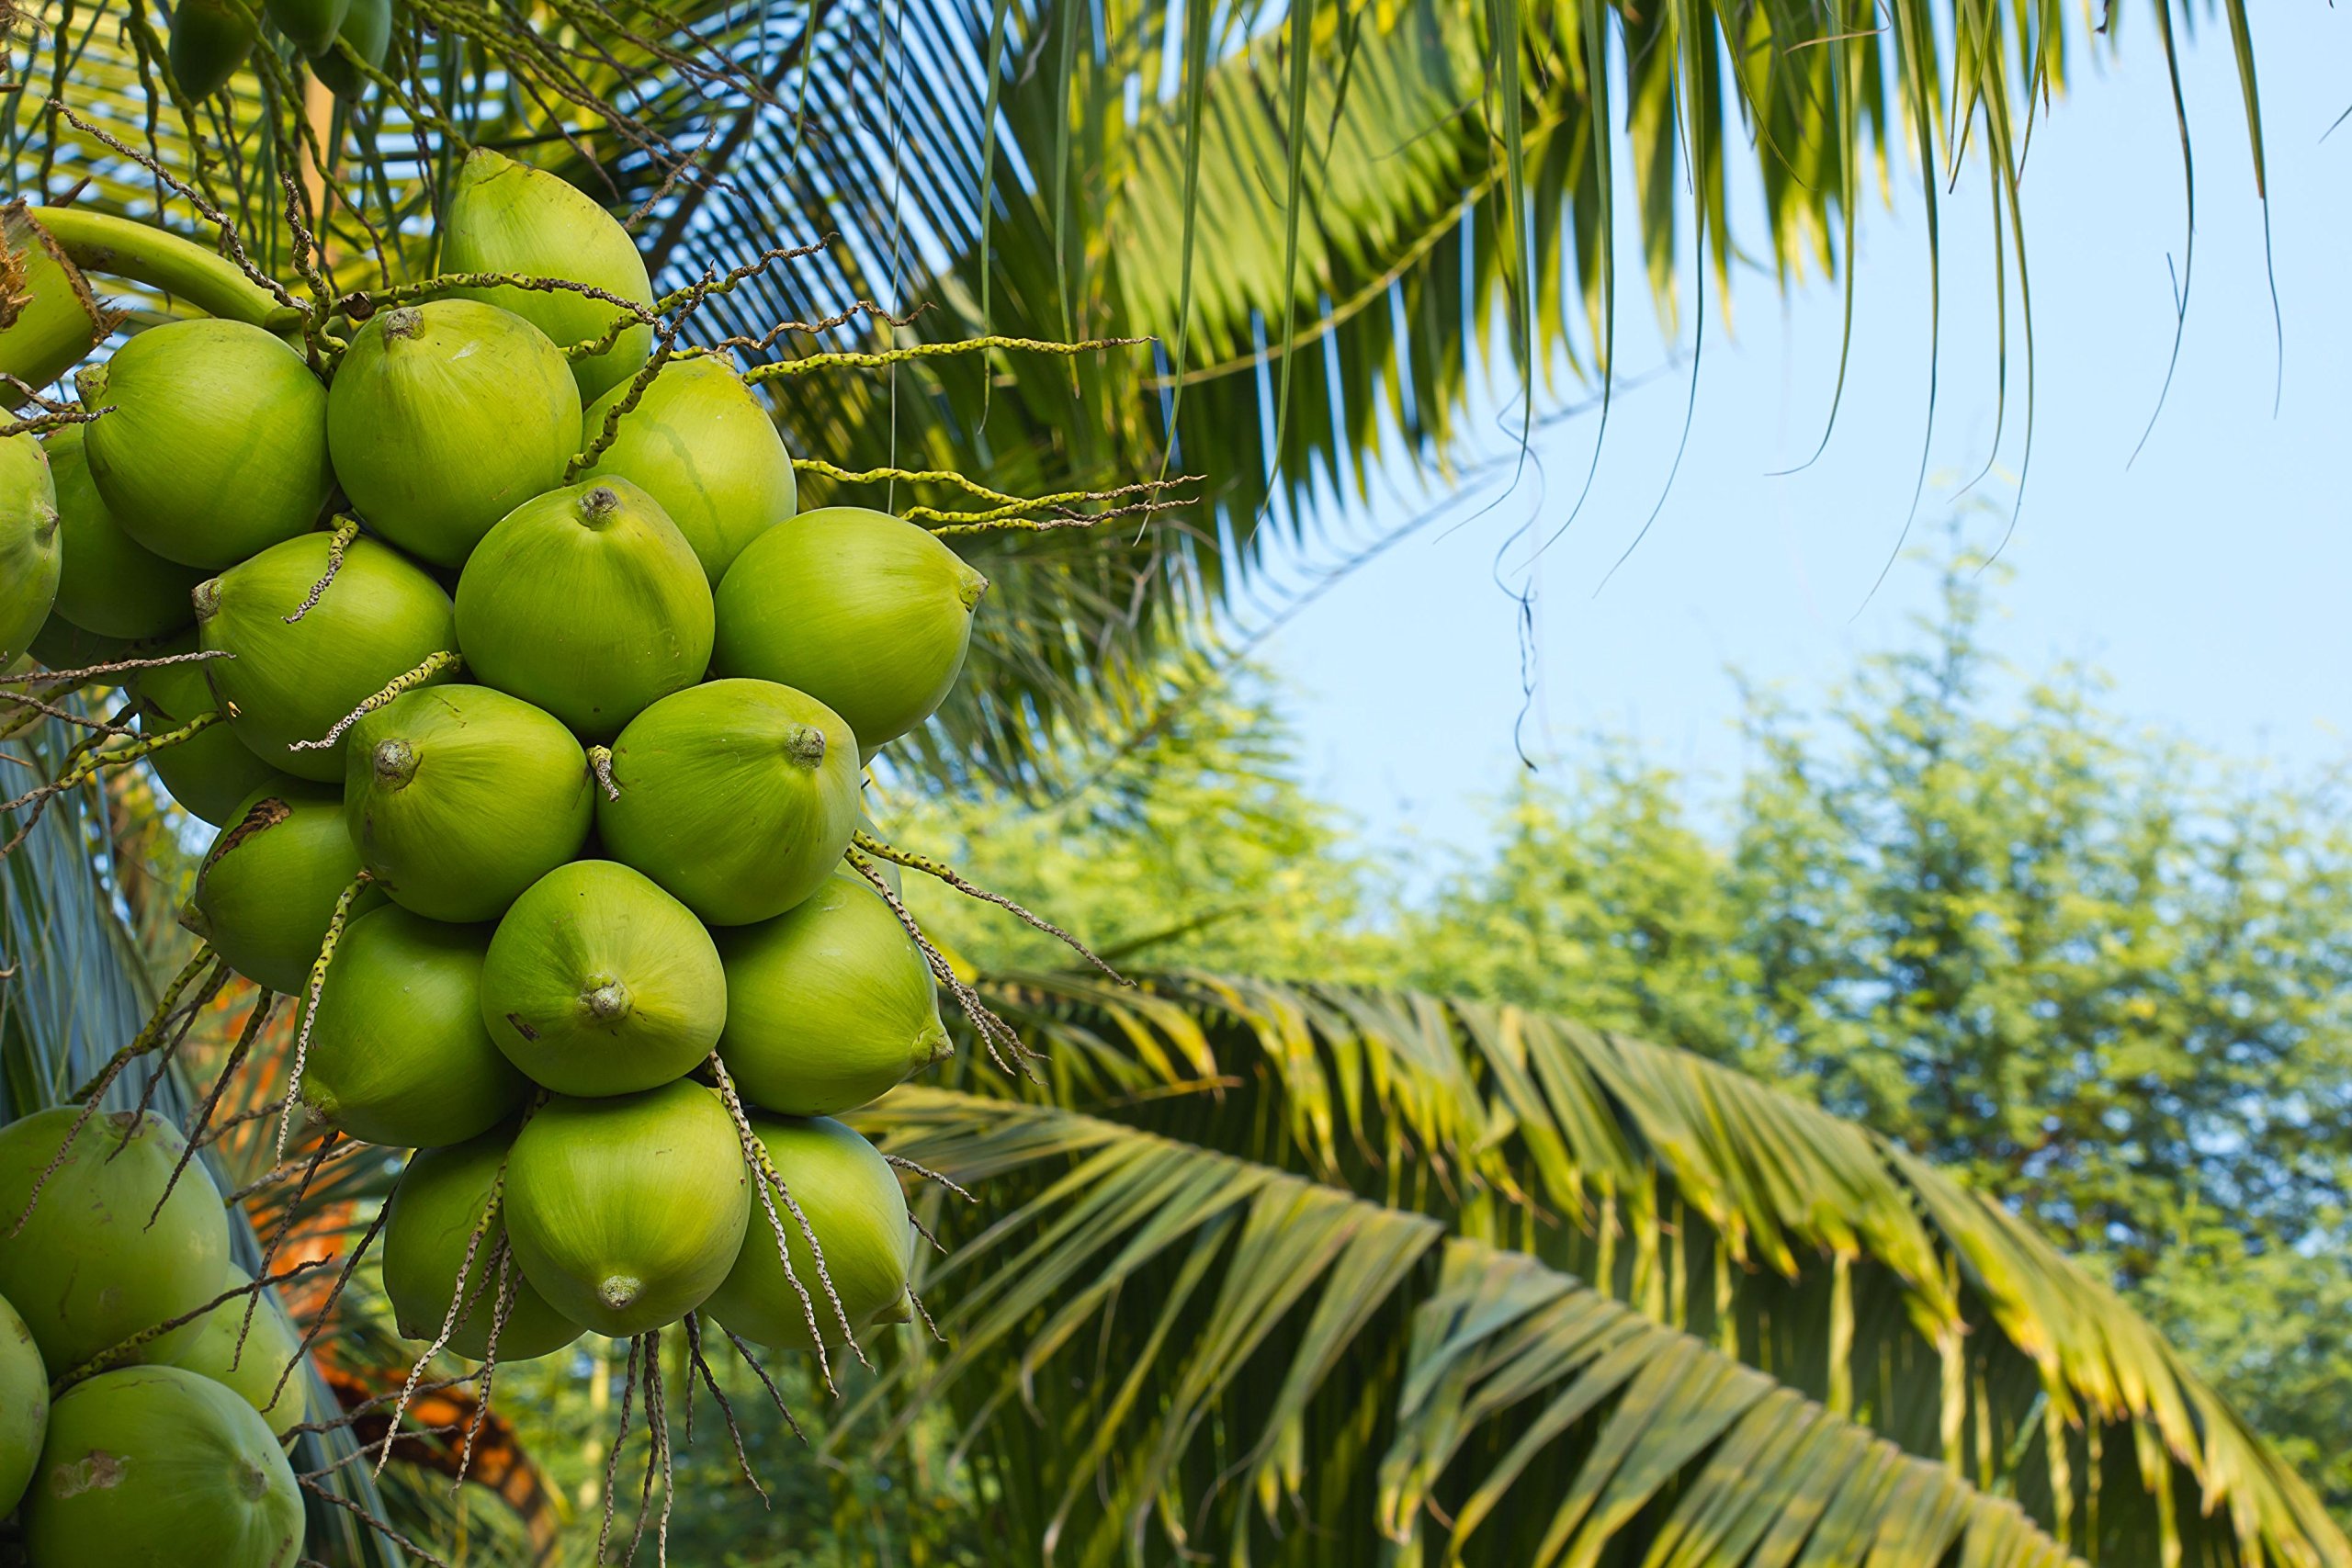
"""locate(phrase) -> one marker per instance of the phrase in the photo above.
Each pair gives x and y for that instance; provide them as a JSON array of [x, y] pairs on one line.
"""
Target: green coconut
[[508, 217], [437, 1205], [869, 614], [109, 582], [86, 1269], [271, 1344], [50, 316], [703, 444], [368, 31], [215, 445], [738, 796], [627, 1210], [399, 1055], [380, 618], [851, 1199], [24, 1406], [444, 417], [588, 602], [599, 983], [159, 1467], [29, 552], [309, 25], [461, 796], [210, 40], [828, 1005], [266, 890], [211, 774]]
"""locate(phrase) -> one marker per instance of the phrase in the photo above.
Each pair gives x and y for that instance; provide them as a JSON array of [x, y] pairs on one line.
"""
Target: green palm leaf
[[1423, 1143]]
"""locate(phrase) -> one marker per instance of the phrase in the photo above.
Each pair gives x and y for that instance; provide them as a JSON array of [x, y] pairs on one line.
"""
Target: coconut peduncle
[[657, 1431], [335, 922], [993, 1031], [941, 871], [665, 347], [762, 1170], [347, 529], [709, 285], [903, 1163], [83, 677], [263, 1004], [620, 1436], [231, 246], [213, 983], [147, 1039], [1015, 520], [89, 766], [113, 1356], [840, 318], [783, 367], [744, 1353], [380, 1526], [286, 1170], [326, 1308], [699, 1367], [501, 1263], [916, 1302], [285, 1227], [434, 664], [49, 419], [111, 728], [461, 1300]]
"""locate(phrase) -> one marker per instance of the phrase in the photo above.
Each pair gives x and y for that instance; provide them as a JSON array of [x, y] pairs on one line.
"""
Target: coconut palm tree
[[1282, 1272]]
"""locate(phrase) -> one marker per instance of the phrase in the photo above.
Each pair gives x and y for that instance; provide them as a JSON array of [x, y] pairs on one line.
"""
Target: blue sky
[[2209, 578]]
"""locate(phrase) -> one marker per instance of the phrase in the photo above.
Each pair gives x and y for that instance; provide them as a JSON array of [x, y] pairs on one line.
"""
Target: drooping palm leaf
[[1041, 170], [1496, 1162]]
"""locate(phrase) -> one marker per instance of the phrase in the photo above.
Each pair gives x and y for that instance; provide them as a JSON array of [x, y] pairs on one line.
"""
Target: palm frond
[[1045, 171], [1163, 1349], [1801, 1246]]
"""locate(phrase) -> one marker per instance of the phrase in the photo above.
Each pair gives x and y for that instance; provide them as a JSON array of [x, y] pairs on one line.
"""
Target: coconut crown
[[508, 217]]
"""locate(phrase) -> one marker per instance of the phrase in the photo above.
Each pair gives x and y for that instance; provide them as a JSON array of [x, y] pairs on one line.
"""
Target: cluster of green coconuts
[[608, 844], [211, 38]]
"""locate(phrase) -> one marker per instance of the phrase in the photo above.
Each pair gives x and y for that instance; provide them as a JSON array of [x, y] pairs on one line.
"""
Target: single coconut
[[627, 1210], [294, 679], [398, 1052], [828, 1005], [460, 797], [851, 1199], [436, 1207], [158, 1467], [738, 796], [210, 40], [252, 1374], [211, 774], [110, 582], [588, 602], [309, 25], [29, 553], [444, 417], [508, 217], [703, 444], [267, 888], [866, 613], [599, 983], [215, 446], [367, 30], [24, 1406], [85, 1268]]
